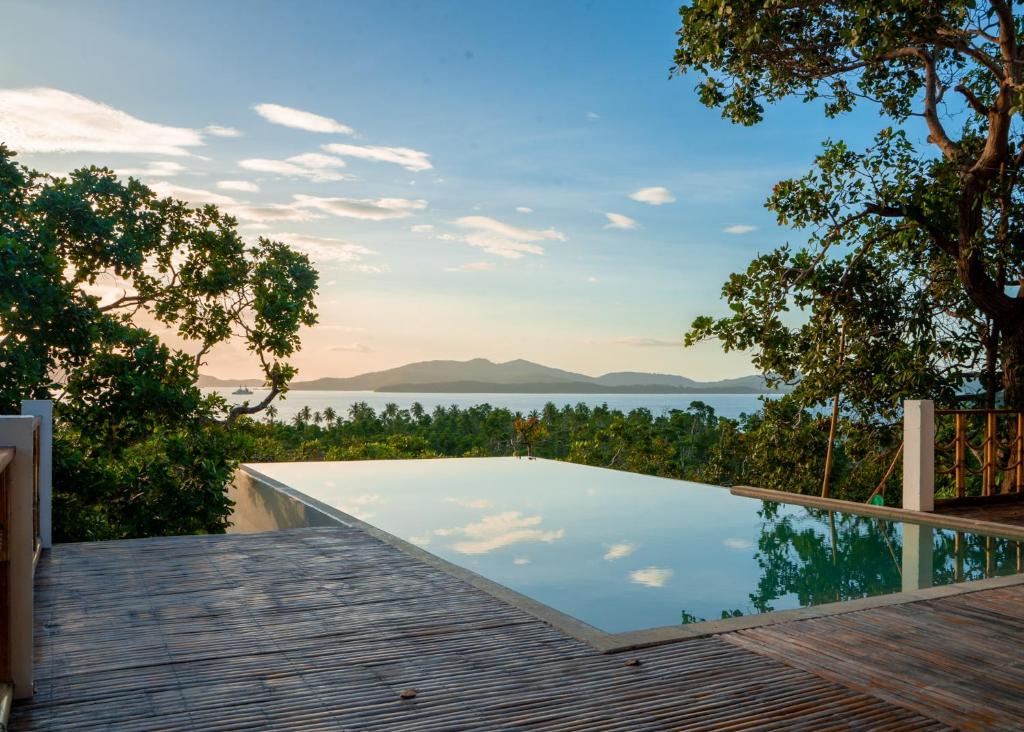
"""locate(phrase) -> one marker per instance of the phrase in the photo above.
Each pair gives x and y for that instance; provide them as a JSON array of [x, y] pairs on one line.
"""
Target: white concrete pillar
[[919, 454], [917, 557], [19, 432], [43, 408]]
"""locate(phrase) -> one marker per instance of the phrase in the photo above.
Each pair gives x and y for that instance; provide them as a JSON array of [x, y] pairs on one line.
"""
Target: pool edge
[[605, 642]]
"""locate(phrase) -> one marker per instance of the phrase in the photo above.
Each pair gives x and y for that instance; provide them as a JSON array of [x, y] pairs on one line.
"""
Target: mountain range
[[480, 375]]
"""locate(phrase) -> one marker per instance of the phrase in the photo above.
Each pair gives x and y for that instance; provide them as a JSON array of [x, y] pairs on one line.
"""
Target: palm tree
[[318, 418], [330, 416], [271, 413], [302, 417]]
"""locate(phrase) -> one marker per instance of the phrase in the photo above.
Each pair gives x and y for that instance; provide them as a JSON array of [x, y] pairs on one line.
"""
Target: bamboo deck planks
[[322, 629]]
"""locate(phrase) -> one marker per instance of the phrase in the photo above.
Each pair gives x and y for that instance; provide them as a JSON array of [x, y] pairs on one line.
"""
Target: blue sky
[[561, 108]]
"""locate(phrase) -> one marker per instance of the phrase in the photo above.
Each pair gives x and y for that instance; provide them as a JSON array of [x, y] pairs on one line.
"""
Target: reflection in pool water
[[625, 552]]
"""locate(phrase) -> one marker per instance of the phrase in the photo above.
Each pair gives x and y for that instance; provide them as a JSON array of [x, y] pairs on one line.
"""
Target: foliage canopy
[[97, 277], [908, 284]]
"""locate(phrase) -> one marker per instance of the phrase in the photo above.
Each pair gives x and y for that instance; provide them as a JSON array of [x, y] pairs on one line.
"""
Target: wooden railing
[[978, 452], [6, 459], [24, 532]]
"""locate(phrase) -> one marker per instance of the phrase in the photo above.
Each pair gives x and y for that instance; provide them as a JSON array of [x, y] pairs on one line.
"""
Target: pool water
[[625, 552]]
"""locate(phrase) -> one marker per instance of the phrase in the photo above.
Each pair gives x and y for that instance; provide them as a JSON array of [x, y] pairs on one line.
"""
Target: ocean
[[725, 405]]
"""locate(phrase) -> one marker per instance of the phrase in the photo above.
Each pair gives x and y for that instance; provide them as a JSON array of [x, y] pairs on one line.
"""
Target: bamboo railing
[[978, 452]]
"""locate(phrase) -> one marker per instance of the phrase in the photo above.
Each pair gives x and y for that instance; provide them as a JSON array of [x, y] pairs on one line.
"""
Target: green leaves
[[89, 265]]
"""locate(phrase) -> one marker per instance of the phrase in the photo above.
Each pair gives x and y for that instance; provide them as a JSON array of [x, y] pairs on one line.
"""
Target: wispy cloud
[[471, 267], [524, 209], [478, 503], [618, 551], [219, 131], [194, 196], [379, 209], [357, 348], [43, 120], [314, 166], [421, 228], [739, 229], [618, 221], [325, 249], [738, 544], [408, 158], [505, 240], [154, 169], [647, 342], [654, 196], [238, 185], [592, 116], [301, 120], [500, 530], [651, 576]]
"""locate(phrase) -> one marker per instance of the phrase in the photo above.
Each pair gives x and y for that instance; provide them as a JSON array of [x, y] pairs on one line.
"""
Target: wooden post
[[19, 432], [43, 408], [988, 483], [960, 451], [1019, 470], [919, 455], [918, 557]]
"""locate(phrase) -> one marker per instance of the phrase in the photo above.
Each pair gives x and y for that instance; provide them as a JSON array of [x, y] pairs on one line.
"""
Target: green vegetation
[[907, 285], [92, 271], [780, 446]]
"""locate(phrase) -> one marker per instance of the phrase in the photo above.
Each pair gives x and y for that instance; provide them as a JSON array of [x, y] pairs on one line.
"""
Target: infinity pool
[[625, 552]]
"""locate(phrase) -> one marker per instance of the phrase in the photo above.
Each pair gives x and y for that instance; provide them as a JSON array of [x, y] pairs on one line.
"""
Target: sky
[[471, 179]]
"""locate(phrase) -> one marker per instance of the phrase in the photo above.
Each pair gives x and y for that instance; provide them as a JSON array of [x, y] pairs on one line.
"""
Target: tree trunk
[[1013, 367]]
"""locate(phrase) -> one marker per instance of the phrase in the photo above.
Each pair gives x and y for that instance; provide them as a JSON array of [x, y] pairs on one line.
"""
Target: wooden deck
[[1001, 511], [324, 628]]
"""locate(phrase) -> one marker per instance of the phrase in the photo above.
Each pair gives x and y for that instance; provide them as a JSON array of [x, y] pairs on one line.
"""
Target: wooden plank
[[324, 628]]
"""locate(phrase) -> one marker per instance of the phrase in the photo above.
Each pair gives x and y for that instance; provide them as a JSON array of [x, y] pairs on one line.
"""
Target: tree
[[94, 274], [914, 250]]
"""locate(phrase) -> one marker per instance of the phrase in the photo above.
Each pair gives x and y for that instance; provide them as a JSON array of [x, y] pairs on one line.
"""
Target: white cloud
[[42, 120], [647, 342], [353, 348], [297, 167], [593, 280], [618, 221], [618, 551], [651, 576], [298, 119], [325, 249], [365, 208], [654, 196], [471, 503], [738, 544], [421, 228], [317, 161], [237, 185], [194, 196], [471, 267], [524, 209], [739, 229], [500, 530], [592, 116], [219, 131], [271, 212], [408, 158], [505, 240], [253, 215], [520, 561], [154, 169]]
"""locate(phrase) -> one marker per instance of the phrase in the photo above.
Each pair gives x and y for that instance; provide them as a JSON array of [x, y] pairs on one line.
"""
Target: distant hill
[[519, 376]]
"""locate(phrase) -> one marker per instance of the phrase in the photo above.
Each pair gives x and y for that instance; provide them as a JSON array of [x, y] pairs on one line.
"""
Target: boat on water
[[242, 390]]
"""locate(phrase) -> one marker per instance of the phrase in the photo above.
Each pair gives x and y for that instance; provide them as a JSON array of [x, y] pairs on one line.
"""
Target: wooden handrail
[[998, 464]]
